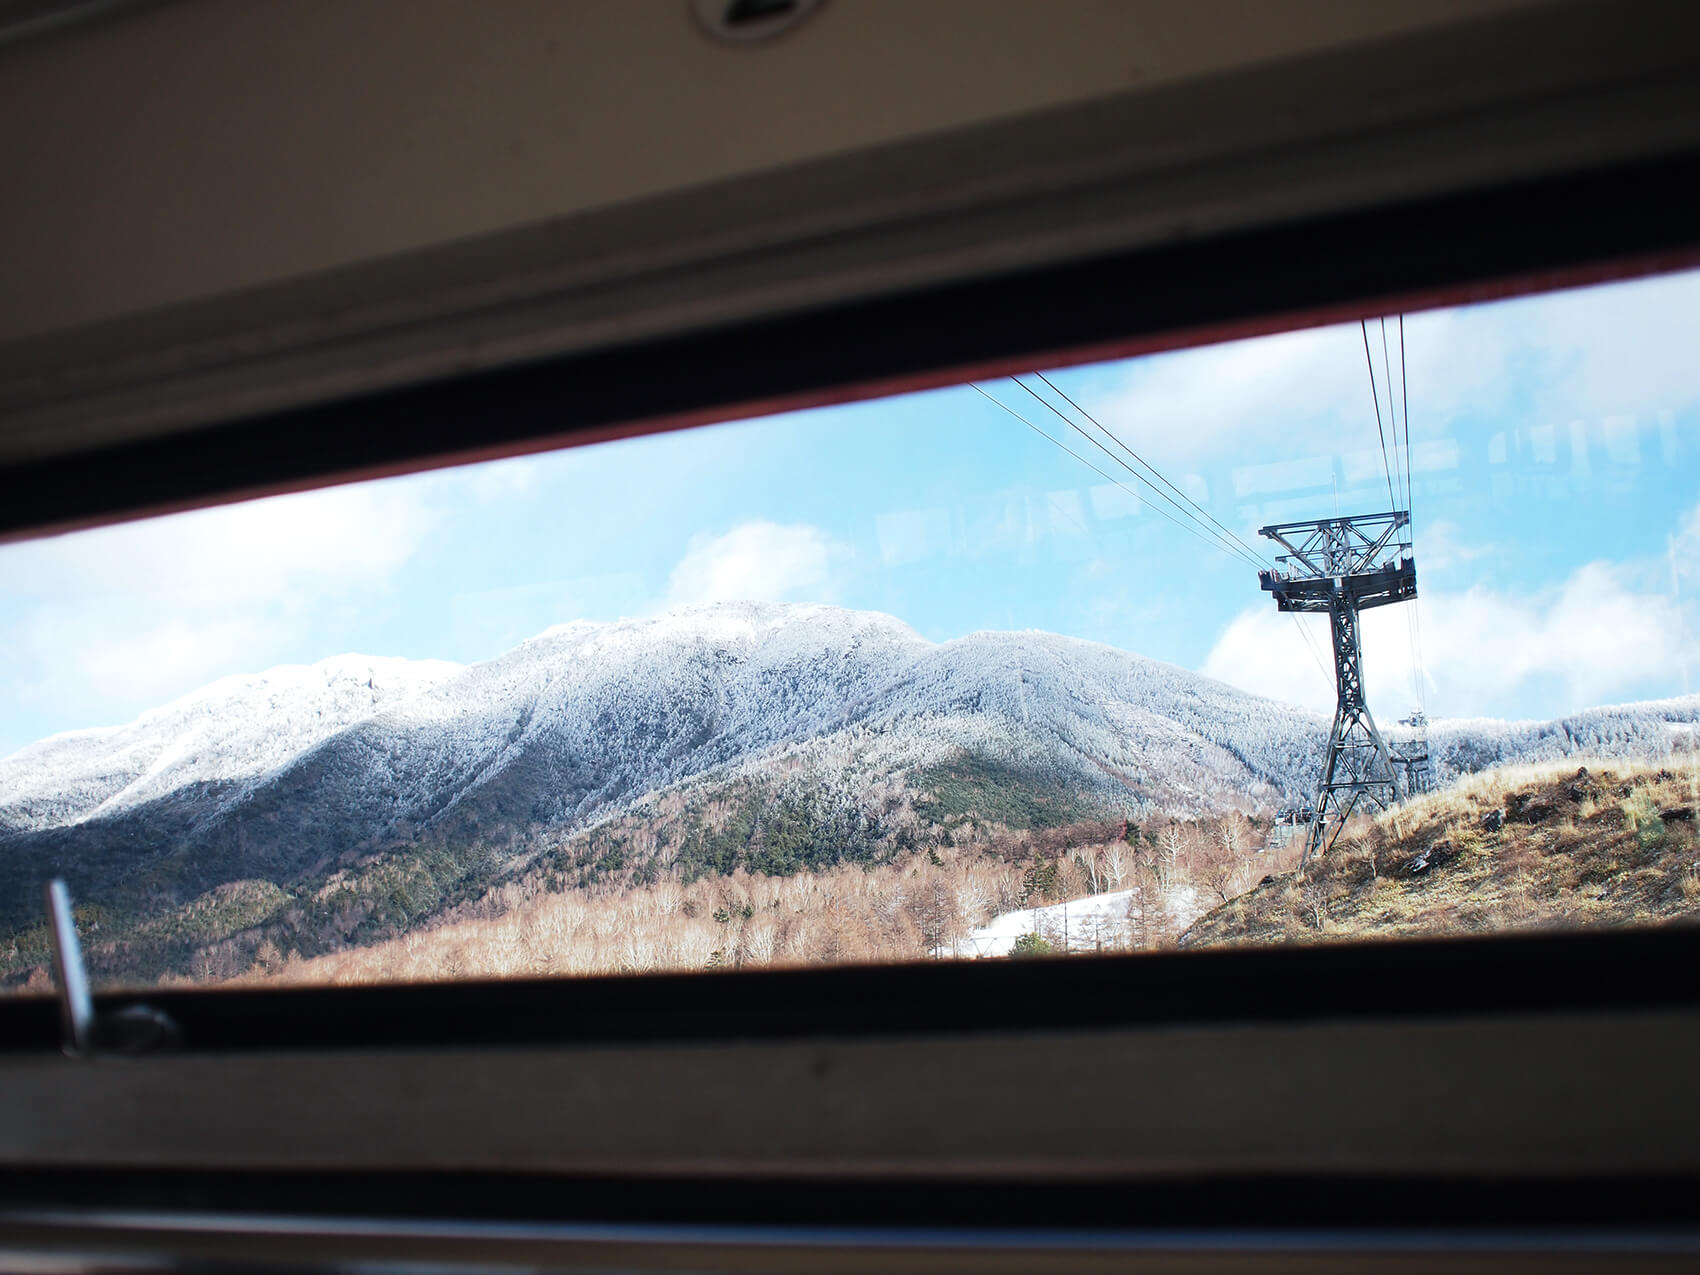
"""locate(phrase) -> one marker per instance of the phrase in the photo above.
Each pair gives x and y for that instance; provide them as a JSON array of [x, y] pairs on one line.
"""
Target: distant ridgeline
[[359, 798], [1651, 729]]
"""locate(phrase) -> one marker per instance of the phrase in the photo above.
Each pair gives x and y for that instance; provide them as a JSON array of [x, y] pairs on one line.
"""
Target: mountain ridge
[[43, 765], [363, 795], [294, 769]]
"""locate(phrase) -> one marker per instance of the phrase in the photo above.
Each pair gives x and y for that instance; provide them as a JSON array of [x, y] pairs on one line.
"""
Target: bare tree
[[1222, 859], [1116, 864], [1169, 853], [935, 912], [1092, 866], [1231, 833]]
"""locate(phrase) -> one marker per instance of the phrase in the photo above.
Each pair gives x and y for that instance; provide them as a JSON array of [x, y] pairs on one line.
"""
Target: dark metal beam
[[1346, 565]]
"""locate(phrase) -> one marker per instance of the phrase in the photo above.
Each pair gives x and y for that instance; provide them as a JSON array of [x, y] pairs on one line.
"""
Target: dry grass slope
[[1525, 847]]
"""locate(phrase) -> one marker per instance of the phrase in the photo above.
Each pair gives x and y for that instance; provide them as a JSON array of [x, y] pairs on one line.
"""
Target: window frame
[[199, 1129]]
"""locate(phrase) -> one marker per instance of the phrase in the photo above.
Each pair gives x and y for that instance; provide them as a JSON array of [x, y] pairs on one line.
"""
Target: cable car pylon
[[1342, 566]]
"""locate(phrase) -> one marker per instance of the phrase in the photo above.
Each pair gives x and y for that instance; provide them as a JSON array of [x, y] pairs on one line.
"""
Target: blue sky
[[1556, 479]]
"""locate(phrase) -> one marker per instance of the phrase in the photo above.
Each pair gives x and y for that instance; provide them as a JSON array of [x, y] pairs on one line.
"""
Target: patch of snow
[[1092, 923], [1077, 925]]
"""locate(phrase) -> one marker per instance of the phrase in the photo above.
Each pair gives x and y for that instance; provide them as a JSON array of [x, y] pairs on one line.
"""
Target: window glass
[[1001, 670]]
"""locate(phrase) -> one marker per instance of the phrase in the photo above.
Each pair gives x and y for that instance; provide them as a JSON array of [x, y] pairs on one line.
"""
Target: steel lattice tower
[[1343, 566]]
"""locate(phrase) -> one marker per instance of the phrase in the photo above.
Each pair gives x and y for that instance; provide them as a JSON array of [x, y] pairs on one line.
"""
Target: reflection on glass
[[983, 672]]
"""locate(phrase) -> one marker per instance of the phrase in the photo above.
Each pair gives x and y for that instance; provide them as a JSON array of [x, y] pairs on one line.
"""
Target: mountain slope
[[218, 739], [283, 776], [1551, 845], [360, 798]]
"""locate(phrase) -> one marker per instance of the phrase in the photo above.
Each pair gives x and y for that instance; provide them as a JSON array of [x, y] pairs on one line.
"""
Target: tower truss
[[1343, 566]]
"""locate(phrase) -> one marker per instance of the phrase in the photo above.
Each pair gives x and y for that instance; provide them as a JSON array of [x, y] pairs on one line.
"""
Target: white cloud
[[1626, 349], [1440, 547], [315, 542], [759, 562], [1596, 366], [78, 658], [100, 625], [1193, 402], [1597, 638], [1617, 352], [1265, 652]]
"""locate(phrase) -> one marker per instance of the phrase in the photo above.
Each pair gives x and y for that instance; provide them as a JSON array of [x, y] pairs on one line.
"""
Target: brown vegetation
[[921, 907], [1517, 848], [1523, 847]]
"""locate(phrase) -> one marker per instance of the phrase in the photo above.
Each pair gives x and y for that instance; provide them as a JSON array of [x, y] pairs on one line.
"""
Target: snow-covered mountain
[[284, 776], [215, 740], [1648, 729], [282, 773]]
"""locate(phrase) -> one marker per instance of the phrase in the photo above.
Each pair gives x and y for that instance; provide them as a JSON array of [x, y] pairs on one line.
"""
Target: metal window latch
[[132, 1029]]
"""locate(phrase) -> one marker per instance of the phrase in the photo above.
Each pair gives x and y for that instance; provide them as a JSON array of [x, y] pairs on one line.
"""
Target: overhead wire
[[1315, 652], [1401, 470], [1212, 531], [1416, 600], [1392, 419], [1228, 545], [1055, 442], [1375, 398], [1193, 527], [1263, 563], [1060, 393], [1404, 394], [1257, 558], [1413, 637]]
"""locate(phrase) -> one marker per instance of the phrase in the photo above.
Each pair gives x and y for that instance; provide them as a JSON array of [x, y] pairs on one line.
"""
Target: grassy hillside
[[1516, 848]]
